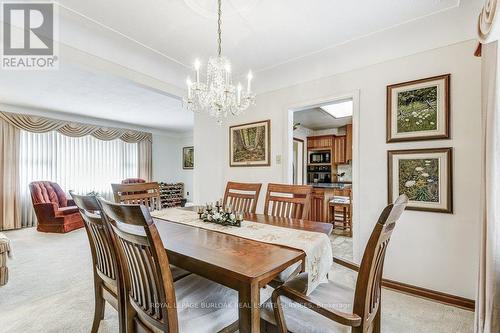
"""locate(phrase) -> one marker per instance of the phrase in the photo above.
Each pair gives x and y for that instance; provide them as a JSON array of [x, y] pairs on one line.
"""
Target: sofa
[[54, 211]]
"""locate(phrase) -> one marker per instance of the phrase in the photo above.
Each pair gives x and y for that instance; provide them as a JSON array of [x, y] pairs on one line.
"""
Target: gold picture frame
[[250, 144], [188, 158]]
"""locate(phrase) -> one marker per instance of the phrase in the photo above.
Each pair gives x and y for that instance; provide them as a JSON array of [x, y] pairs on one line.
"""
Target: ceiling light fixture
[[339, 110], [218, 96]]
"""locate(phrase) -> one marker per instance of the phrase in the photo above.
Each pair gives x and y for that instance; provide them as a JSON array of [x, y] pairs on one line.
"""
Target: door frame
[[303, 158], [288, 152]]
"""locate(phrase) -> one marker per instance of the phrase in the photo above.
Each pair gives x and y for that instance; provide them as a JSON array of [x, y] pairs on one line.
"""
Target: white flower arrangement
[[410, 183], [219, 216]]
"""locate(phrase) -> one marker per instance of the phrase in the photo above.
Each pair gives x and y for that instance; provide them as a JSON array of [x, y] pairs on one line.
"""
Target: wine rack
[[171, 195]]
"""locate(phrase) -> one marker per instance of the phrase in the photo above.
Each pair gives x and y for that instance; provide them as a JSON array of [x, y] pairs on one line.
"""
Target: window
[[80, 164]]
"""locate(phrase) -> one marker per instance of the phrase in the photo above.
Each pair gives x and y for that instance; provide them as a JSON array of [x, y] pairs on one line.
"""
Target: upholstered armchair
[[133, 181], [54, 211]]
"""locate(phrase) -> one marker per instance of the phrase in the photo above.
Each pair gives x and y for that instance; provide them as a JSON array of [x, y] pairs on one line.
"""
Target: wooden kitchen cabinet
[[317, 210], [320, 142], [348, 143], [339, 150]]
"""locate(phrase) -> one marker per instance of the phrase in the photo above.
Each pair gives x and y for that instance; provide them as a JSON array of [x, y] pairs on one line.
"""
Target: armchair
[[54, 211]]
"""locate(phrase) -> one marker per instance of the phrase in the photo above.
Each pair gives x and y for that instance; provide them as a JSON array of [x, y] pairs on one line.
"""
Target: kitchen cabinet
[[320, 142], [320, 199], [339, 149], [317, 210], [348, 143]]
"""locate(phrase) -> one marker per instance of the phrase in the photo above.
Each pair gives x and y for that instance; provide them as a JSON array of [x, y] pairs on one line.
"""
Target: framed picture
[[250, 145], [188, 157], [419, 110], [424, 175]]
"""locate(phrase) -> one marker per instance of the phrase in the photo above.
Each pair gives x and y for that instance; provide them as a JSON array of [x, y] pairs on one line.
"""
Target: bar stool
[[343, 220]]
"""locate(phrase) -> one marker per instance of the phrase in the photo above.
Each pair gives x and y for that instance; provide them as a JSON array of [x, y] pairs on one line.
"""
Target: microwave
[[319, 157]]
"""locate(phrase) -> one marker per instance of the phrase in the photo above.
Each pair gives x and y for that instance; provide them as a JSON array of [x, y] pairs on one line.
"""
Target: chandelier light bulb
[[249, 84], [238, 96], [197, 66]]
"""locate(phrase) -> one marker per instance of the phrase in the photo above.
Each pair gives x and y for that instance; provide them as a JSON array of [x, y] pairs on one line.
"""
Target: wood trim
[[268, 122], [446, 135], [437, 296], [304, 153], [390, 167]]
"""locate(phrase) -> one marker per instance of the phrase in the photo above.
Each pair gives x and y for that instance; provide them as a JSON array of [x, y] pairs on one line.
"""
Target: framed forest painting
[[424, 175], [249, 144], [188, 157], [419, 110]]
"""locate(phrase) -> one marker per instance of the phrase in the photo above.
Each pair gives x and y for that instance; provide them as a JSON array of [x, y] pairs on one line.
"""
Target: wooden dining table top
[[244, 258], [239, 263]]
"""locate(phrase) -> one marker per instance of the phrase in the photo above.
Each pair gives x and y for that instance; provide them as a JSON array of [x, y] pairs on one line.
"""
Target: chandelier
[[217, 95]]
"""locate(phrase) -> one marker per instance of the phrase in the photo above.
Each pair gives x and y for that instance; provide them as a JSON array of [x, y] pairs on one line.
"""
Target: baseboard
[[433, 295], [437, 296]]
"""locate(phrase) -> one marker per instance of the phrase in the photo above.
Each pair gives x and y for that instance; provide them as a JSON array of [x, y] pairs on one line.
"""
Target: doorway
[[298, 161], [328, 129]]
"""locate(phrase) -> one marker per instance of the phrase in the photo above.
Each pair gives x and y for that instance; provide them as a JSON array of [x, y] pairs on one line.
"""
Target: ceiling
[[317, 119], [83, 92], [123, 60], [257, 34]]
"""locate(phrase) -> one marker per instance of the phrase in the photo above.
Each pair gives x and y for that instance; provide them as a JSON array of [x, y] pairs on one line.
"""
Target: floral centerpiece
[[216, 214]]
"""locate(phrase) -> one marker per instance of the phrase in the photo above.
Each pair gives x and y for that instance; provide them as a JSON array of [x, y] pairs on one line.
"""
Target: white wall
[[430, 250], [167, 161]]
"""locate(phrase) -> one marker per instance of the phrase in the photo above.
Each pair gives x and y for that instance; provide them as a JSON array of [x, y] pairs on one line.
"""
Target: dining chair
[[104, 261], [242, 197], [333, 307], [154, 303], [147, 194], [291, 201]]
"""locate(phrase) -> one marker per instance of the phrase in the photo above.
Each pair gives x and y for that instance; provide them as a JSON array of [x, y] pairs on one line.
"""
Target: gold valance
[[41, 125]]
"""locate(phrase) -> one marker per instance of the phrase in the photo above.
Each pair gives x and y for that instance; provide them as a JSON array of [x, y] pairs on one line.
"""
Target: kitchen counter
[[322, 194], [339, 186]]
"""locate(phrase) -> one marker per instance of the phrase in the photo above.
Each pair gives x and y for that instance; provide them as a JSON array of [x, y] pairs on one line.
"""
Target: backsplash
[[347, 168]]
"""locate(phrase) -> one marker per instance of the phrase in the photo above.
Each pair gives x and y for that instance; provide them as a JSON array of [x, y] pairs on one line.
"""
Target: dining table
[[238, 263]]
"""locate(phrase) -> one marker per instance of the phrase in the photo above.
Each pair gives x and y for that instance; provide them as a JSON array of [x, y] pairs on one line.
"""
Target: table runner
[[316, 245]]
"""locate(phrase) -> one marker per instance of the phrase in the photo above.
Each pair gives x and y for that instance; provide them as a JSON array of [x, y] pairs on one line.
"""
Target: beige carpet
[[50, 290]]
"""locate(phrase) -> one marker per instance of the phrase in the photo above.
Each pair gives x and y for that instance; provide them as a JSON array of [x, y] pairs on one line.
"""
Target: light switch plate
[[278, 159]]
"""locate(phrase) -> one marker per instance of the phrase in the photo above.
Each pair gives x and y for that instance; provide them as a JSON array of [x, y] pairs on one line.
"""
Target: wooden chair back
[[368, 285], [291, 201], [242, 197], [147, 194], [148, 281], [103, 251]]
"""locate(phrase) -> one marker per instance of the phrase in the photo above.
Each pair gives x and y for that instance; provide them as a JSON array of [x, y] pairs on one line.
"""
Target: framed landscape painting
[[249, 144], [419, 110], [424, 175], [188, 157]]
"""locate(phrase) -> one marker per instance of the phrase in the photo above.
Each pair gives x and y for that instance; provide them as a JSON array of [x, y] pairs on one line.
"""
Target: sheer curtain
[[81, 164]]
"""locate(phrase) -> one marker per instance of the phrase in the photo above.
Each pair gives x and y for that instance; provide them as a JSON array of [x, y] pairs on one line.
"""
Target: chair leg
[[377, 319], [100, 304]]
